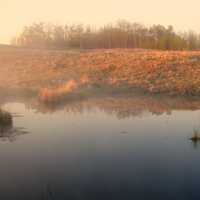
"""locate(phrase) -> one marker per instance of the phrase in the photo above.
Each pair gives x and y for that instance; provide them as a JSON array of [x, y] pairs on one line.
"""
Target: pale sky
[[14, 14]]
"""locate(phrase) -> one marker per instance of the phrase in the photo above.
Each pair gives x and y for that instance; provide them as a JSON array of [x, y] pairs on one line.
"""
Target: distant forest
[[122, 34]]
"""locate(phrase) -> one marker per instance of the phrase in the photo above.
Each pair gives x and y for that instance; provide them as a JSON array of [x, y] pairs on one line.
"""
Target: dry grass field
[[54, 73]]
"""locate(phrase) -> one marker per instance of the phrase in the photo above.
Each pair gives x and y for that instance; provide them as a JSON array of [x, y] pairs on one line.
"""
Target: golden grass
[[169, 72], [53, 94]]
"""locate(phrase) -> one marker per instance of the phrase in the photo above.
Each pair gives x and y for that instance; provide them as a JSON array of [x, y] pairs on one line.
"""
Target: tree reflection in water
[[121, 106]]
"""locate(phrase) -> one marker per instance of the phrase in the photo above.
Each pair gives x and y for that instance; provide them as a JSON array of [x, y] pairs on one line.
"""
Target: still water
[[100, 150]]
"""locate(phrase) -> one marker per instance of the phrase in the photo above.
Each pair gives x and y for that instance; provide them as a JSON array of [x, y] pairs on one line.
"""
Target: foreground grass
[[166, 72]]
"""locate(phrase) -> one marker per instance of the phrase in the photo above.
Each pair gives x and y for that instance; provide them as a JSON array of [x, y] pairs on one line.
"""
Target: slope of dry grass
[[174, 72]]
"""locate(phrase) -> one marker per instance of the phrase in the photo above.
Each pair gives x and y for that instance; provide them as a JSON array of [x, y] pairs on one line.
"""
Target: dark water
[[100, 150]]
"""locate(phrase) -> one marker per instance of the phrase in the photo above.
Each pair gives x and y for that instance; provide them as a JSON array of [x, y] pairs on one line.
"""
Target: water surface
[[105, 148]]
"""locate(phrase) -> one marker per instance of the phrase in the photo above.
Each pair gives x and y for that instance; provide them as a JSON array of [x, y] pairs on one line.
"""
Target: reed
[[196, 136]]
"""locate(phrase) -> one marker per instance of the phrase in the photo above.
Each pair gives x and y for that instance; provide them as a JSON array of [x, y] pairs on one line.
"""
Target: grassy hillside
[[59, 72]]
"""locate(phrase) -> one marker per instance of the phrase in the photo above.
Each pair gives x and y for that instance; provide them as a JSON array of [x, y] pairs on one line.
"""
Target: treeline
[[122, 34]]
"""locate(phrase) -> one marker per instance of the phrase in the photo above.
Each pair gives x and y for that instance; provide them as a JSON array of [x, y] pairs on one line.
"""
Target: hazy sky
[[14, 14]]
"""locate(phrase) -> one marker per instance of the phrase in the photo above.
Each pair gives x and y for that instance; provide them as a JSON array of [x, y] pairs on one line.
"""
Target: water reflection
[[11, 133], [122, 106], [195, 144], [114, 147]]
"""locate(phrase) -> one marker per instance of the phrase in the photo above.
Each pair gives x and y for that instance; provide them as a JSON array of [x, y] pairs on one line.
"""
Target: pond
[[101, 148]]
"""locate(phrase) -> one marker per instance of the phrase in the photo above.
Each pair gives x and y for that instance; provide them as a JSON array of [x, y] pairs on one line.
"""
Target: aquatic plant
[[196, 136], [7, 131], [5, 118]]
